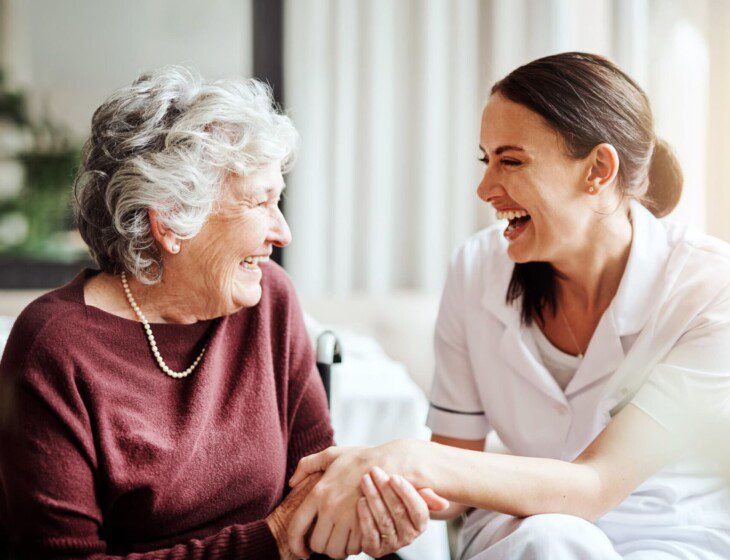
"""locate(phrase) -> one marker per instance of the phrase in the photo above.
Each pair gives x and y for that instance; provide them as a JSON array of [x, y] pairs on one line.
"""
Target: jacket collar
[[626, 315], [636, 294]]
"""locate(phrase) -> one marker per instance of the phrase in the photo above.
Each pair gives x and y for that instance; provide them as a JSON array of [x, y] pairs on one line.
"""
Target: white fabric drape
[[718, 191], [387, 100], [388, 97]]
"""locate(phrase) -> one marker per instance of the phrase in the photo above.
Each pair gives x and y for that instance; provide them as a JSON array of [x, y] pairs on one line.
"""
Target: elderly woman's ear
[[165, 237]]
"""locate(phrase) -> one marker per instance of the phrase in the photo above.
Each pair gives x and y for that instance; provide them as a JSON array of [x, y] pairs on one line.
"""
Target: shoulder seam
[[47, 323]]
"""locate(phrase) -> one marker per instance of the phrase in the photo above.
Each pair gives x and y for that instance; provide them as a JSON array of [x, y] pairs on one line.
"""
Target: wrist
[[422, 471], [410, 458], [278, 532]]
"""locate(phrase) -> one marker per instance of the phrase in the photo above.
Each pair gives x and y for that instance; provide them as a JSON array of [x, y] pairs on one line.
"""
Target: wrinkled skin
[[203, 277]]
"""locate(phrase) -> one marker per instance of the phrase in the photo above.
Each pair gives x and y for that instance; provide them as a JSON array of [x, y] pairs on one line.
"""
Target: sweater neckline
[[77, 293]]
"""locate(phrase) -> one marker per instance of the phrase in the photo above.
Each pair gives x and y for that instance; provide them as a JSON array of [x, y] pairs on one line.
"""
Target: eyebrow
[[504, 148]]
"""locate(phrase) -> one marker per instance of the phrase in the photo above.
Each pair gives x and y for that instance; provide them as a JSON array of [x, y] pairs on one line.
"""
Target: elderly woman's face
[[529, 172], [222, 260]]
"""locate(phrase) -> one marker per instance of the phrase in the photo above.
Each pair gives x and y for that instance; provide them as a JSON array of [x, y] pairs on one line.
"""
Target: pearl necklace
[[151, 338]]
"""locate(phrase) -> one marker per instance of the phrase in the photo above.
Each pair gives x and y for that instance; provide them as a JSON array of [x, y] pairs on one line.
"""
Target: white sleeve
[[455, 408], [692, 384]]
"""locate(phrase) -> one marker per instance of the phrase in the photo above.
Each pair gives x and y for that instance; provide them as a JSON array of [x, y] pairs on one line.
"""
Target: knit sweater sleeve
[[48, 464], [309, 426]]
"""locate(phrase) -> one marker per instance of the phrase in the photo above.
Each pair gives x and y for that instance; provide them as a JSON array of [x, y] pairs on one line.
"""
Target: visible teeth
[[253, 262], [511, 214]]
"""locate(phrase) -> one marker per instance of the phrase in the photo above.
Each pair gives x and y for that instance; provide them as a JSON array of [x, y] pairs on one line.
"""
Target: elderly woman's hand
[[332, 505], [278, 520], [392, 512]]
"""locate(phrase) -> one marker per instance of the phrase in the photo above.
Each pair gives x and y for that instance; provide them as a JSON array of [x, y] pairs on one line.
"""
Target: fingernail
[[368, 482], [380, 473]]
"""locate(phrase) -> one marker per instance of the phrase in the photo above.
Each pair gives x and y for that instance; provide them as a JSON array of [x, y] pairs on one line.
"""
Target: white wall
[[71, 54]]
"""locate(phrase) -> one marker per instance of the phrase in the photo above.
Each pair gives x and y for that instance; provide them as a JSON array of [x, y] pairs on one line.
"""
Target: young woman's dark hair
[[588, 100]]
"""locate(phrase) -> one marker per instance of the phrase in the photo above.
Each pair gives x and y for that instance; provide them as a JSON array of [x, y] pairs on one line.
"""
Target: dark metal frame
[[268, 58], [329, 353]]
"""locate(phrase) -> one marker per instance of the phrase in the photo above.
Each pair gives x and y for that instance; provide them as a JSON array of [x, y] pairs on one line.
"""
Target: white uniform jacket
[[663, 344]]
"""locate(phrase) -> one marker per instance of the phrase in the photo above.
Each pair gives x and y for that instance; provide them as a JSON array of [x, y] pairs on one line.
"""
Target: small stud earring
[[175, 248], [592, 189]]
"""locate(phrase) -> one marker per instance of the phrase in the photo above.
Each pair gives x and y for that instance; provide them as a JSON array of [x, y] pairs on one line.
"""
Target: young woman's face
[[529, 173]]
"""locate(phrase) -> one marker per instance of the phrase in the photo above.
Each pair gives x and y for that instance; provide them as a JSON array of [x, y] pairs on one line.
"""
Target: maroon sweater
[[103, 455]]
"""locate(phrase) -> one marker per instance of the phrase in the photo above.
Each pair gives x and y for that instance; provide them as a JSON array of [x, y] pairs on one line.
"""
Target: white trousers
[[565, 537]]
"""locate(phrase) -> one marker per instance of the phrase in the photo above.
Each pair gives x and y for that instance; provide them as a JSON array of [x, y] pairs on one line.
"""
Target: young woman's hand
[[318, 462], [327, 522], [404, 457], [392, 512]]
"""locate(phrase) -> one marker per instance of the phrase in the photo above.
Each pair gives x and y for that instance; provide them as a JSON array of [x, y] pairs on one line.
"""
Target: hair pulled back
[[588, 100]]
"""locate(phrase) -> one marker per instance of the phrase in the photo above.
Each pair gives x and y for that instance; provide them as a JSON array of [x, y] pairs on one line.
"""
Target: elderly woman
[[158, 405], [582, 329]]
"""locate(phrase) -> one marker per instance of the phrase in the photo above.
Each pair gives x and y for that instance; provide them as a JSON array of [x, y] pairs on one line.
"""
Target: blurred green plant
[[36, 223], [12, 105]]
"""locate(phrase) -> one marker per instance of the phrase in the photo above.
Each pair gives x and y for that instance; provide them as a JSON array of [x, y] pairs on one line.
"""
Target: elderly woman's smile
[[200, 389], [240, 235]]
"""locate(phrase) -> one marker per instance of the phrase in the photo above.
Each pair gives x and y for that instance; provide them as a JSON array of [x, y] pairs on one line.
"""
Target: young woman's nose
[[489, 187]]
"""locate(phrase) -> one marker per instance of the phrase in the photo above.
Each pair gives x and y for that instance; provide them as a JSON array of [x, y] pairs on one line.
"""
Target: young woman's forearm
[[519, 486]]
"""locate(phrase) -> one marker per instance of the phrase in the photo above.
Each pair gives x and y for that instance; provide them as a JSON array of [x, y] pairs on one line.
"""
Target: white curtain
[[388, 96], [718, 191]]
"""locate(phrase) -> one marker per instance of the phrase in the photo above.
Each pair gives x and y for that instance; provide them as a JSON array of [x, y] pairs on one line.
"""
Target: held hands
[[357, 506], [392, 512]]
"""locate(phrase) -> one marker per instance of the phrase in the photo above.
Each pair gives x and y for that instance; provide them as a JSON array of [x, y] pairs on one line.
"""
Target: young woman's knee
[[565, 536]]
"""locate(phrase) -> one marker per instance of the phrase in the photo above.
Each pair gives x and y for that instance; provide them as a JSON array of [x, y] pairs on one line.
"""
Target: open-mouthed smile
[[518, 221], [252, 263]]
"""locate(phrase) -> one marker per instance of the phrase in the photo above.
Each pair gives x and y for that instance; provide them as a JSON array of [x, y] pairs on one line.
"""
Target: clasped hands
[[347, 500]]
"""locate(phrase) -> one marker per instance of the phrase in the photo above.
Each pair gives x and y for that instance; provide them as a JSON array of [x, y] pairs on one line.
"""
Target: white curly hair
[[166, 142]]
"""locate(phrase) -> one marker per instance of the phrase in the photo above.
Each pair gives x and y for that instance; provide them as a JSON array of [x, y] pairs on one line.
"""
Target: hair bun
[[665, 180]]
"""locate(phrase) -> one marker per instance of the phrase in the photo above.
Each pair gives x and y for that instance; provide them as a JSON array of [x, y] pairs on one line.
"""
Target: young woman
[[587, 333]]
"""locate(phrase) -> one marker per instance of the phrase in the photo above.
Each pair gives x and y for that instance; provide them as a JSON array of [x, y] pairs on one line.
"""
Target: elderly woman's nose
[[280, 234]]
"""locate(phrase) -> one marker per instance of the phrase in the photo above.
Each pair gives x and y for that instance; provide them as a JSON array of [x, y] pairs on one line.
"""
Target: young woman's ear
[[166, 238], [604, 165]]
